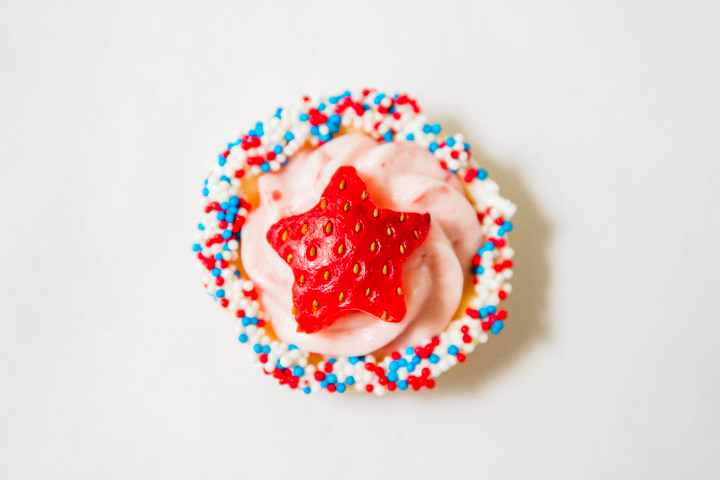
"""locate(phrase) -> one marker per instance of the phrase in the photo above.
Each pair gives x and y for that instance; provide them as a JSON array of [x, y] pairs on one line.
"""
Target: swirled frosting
[[402, 176]]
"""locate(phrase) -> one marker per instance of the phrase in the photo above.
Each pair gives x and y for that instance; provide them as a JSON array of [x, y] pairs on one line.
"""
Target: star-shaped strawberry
[[346, 253]]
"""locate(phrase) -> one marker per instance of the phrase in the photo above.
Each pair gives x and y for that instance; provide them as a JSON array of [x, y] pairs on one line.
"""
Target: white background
[[601, 120]]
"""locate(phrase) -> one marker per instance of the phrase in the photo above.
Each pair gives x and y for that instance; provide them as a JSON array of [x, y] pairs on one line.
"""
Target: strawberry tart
[[358, 247]]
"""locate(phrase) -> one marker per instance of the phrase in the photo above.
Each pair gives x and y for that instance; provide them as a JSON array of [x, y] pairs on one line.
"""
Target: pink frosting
[[401, 176]]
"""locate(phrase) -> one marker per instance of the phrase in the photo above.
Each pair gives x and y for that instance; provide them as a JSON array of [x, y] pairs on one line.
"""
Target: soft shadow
[[527, 304]]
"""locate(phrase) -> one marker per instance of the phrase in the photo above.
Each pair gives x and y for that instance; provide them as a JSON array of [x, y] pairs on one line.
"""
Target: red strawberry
[[347, 254]]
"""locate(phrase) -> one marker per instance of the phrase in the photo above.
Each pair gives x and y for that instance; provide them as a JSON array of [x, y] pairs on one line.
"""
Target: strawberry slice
[[346, 253]]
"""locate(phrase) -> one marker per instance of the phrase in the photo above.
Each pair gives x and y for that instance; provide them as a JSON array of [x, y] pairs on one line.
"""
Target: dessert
[[358, 247]]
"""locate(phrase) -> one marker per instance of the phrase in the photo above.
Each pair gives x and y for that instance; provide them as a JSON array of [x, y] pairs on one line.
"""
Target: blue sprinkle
[[402, 362], [215, 272], [433, 146], [278, 113], [416, 359], [206, 181], [321, 107], [206, 192], [323, 384], [298, 371], [483, 312], [220, 293], [489, 246], [279, 366], [479, 270], [497, 326], [243, 338], [315, 130], [434, 358], [410, 137], [303, 117], [427, 129], [402, 385], [333, 100], [307, 390], [326, 138], [392, 377], [353, 361], [350, 380], [292, 347], [482, 174], [245, 321], [379, 98], [251, 133], [197, 247], [226, 248], [362, 358], [331, 360], [266, 349], [234, 201], [453, 350], [346, 93], [507, 226], [220, 216], [257, 348], [218, 256], [265, 167], [224, 205], [201, 226], [237, 273], [393, 366], [335, 119], [388, 136], [232, 210], [409, 351], [277, 149], [227, 234], [331, 378], [450, 142], [222, 161], [289, 136], [341, 388], [436, 128], [491, 309], [392, 109], [366, 107], [467, 146], [410, 368]]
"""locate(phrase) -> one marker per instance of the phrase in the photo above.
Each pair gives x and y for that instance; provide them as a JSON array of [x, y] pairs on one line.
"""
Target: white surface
[[601, 121]]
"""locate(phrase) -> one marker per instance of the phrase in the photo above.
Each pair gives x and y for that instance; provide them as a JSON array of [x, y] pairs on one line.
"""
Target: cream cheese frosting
[[401, 176]]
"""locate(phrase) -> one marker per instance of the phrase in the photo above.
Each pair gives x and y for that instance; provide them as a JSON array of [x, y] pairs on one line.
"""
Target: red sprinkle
[[461, 357]]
